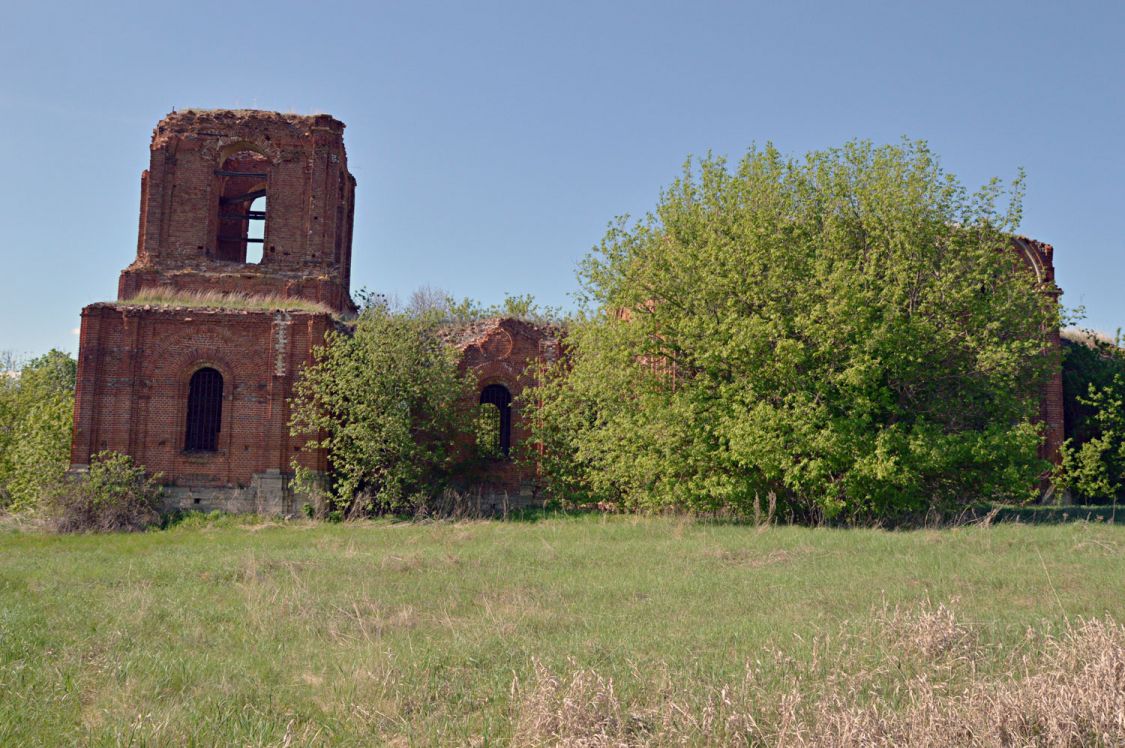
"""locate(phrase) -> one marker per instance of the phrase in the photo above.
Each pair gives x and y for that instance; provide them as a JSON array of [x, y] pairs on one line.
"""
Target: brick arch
[[1039, 256], [505, 371], [186, 367], [206, 362], [228, 148], [487, 375], [203, 423], [183, 362], [511, 385], [1031, 258], [500, 395]]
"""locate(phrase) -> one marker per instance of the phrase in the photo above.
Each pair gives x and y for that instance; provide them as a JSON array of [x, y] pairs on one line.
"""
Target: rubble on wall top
[[1043, 247], [193, 120], [461, 335]]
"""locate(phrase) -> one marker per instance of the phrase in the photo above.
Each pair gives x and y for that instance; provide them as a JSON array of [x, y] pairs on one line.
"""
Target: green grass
[[241, 634]]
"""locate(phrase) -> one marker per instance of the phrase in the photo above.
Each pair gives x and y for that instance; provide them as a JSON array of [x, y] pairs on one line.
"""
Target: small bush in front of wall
[[116, 494], [1095, 468]]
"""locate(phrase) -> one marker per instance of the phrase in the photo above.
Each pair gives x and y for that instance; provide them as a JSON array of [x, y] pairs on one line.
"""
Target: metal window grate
[[204, 411], [498, 395]]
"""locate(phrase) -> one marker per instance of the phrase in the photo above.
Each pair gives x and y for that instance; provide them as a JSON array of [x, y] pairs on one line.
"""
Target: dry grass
[[1089, 338], [22, 521], [217, 300], [924, 690]]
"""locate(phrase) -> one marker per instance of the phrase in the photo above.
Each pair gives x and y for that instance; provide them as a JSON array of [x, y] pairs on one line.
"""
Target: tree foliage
[[386, 401], [429, 301], [1093, 457], [520, 306], [850, 331], [36, 417]]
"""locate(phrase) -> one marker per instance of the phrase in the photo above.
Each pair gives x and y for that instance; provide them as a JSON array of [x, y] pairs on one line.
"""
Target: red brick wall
[[1051, 407], [135, 362], [1040, 258], [499, 351], [134, 368]]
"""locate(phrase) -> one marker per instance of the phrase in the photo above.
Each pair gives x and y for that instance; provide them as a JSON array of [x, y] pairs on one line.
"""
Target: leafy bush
[[1089, 359], [1095, 468], [851, 331], [387, 404], [115, 494], [1093, 456], [36, 413]]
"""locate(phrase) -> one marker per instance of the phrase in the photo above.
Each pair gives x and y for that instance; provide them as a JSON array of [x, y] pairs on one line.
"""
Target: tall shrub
[[386, 401], [36, 417], [1093, 456], [851, 331]]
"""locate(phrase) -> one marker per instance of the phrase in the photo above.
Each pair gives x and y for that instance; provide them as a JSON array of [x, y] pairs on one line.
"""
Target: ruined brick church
[[257, 206]]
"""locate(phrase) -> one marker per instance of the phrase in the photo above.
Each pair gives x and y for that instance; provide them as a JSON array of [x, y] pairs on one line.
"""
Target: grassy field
[[257, 633]]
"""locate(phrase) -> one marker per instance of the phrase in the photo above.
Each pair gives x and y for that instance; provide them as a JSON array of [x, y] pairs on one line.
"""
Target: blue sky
[[493, 142]]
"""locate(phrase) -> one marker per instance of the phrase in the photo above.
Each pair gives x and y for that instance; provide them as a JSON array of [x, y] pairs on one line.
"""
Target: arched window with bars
[[501, 417], [204, 411]]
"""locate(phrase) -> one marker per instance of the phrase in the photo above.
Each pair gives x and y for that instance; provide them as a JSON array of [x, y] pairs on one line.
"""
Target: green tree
[[386, 400], [850, 331], [36, 417], [1089, 359], [521, 306], [1095, 466], [1093, 391]]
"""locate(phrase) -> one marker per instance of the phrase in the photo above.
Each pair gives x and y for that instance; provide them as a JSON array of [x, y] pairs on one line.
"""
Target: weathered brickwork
[[136, 361], [502, 351], [1040, 257], [300, 163]]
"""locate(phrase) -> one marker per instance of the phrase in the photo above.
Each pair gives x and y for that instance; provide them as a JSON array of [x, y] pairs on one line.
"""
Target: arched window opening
[[499, 431], [204, 411], [242, 207], [256, 233]]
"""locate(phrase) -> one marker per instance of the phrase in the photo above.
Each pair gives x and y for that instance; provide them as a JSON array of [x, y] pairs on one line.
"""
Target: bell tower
[[249, 202], [243, 266]]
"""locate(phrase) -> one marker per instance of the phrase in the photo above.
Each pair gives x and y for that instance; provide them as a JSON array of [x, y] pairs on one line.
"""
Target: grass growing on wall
[[249, 632], [217, 300]]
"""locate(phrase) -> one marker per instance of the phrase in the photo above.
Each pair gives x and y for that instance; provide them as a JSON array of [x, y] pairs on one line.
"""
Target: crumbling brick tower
[[234, 203]]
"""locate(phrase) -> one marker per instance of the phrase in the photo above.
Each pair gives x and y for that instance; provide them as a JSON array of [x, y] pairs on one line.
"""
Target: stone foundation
[[490, 501], [268, 493]]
